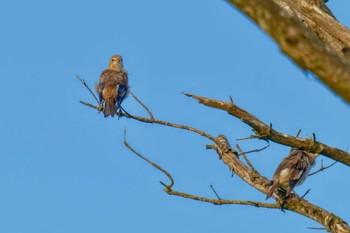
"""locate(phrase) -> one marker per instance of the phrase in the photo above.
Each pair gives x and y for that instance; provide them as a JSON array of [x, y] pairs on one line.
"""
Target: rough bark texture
[[330, 221], [267, 132], [309, 35]]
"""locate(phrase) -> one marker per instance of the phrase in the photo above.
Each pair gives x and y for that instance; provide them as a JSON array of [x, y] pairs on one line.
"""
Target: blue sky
[[64, 168]]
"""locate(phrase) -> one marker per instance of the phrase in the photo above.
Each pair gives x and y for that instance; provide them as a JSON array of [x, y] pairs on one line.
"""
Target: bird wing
[[300, 167], [105, 77], [122, 87]]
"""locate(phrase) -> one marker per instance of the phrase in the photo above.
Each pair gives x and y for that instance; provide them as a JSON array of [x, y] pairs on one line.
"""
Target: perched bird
[[113, 86], [292, 171]]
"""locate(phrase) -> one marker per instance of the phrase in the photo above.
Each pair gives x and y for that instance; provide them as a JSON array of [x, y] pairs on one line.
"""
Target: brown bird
[[292, 171], [113, 86]]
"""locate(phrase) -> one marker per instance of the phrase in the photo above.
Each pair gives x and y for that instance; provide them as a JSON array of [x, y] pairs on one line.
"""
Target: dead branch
[[216, 194], [230, 157], [327, 59], [332, 222], [245, 158], [91, 92], [168, 188], [264, 131], [142, 104], [150, 162], [322, 168], [256, 150]]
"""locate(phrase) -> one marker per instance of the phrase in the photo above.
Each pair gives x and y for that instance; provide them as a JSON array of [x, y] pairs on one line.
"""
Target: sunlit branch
[[168, 188], [322, 168], [265, 131]]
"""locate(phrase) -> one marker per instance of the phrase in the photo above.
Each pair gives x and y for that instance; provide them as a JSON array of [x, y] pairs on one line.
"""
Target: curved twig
[[256, 150], [322, 168], [168, 188], [85, 84], [150, 162], [142, 104]]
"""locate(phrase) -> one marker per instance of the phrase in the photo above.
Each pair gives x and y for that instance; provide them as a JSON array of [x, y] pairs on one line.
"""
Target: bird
[[112, 87], [292, 171]]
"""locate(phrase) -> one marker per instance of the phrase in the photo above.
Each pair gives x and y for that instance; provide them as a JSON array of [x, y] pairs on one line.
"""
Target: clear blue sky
[[64, 168]]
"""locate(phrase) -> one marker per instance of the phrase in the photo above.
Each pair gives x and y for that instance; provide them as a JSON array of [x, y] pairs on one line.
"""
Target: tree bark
[[309, 35]]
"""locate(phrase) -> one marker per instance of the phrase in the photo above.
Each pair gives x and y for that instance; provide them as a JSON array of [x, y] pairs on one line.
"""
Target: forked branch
[[265, 131], [230, 157], [168, 187]]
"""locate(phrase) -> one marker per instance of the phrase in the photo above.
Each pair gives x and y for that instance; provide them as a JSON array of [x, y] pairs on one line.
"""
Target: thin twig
[[151, 119], [85, 84], [150, 162], [249, 137], [322, 168], [222, 201], [316, 228], [218, 201], [306, 193], [90, 105], [160, 122], [256, 150], [216, 194], [245, 158], [296, 136], [298, 133], [142, 104]]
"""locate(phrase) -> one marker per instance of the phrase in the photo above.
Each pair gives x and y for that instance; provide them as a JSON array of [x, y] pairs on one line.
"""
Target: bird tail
[[272, 189], [109, 110]]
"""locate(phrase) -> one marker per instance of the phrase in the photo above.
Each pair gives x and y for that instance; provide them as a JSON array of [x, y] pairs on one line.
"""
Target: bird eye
[[113, 60]]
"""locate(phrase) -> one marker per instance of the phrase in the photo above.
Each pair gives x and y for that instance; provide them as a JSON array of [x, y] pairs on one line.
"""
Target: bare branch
[[151, 119], [150, 162], [331, 66], [293, 203], [90, 105], [224, 202], [160, 122], [264, 131], [142, 104], [216, 194], [257, 150], [231, 159], [317, 228], [322, 168], [298, 133], [92, 93], [245, 158], [168, 188]]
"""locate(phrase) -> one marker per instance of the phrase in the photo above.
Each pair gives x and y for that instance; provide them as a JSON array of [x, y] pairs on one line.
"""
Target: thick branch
[[264, 131], [301, 44], [332, 222]]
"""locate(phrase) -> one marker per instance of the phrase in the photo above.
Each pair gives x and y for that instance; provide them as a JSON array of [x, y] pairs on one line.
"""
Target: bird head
[[116, 63]]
